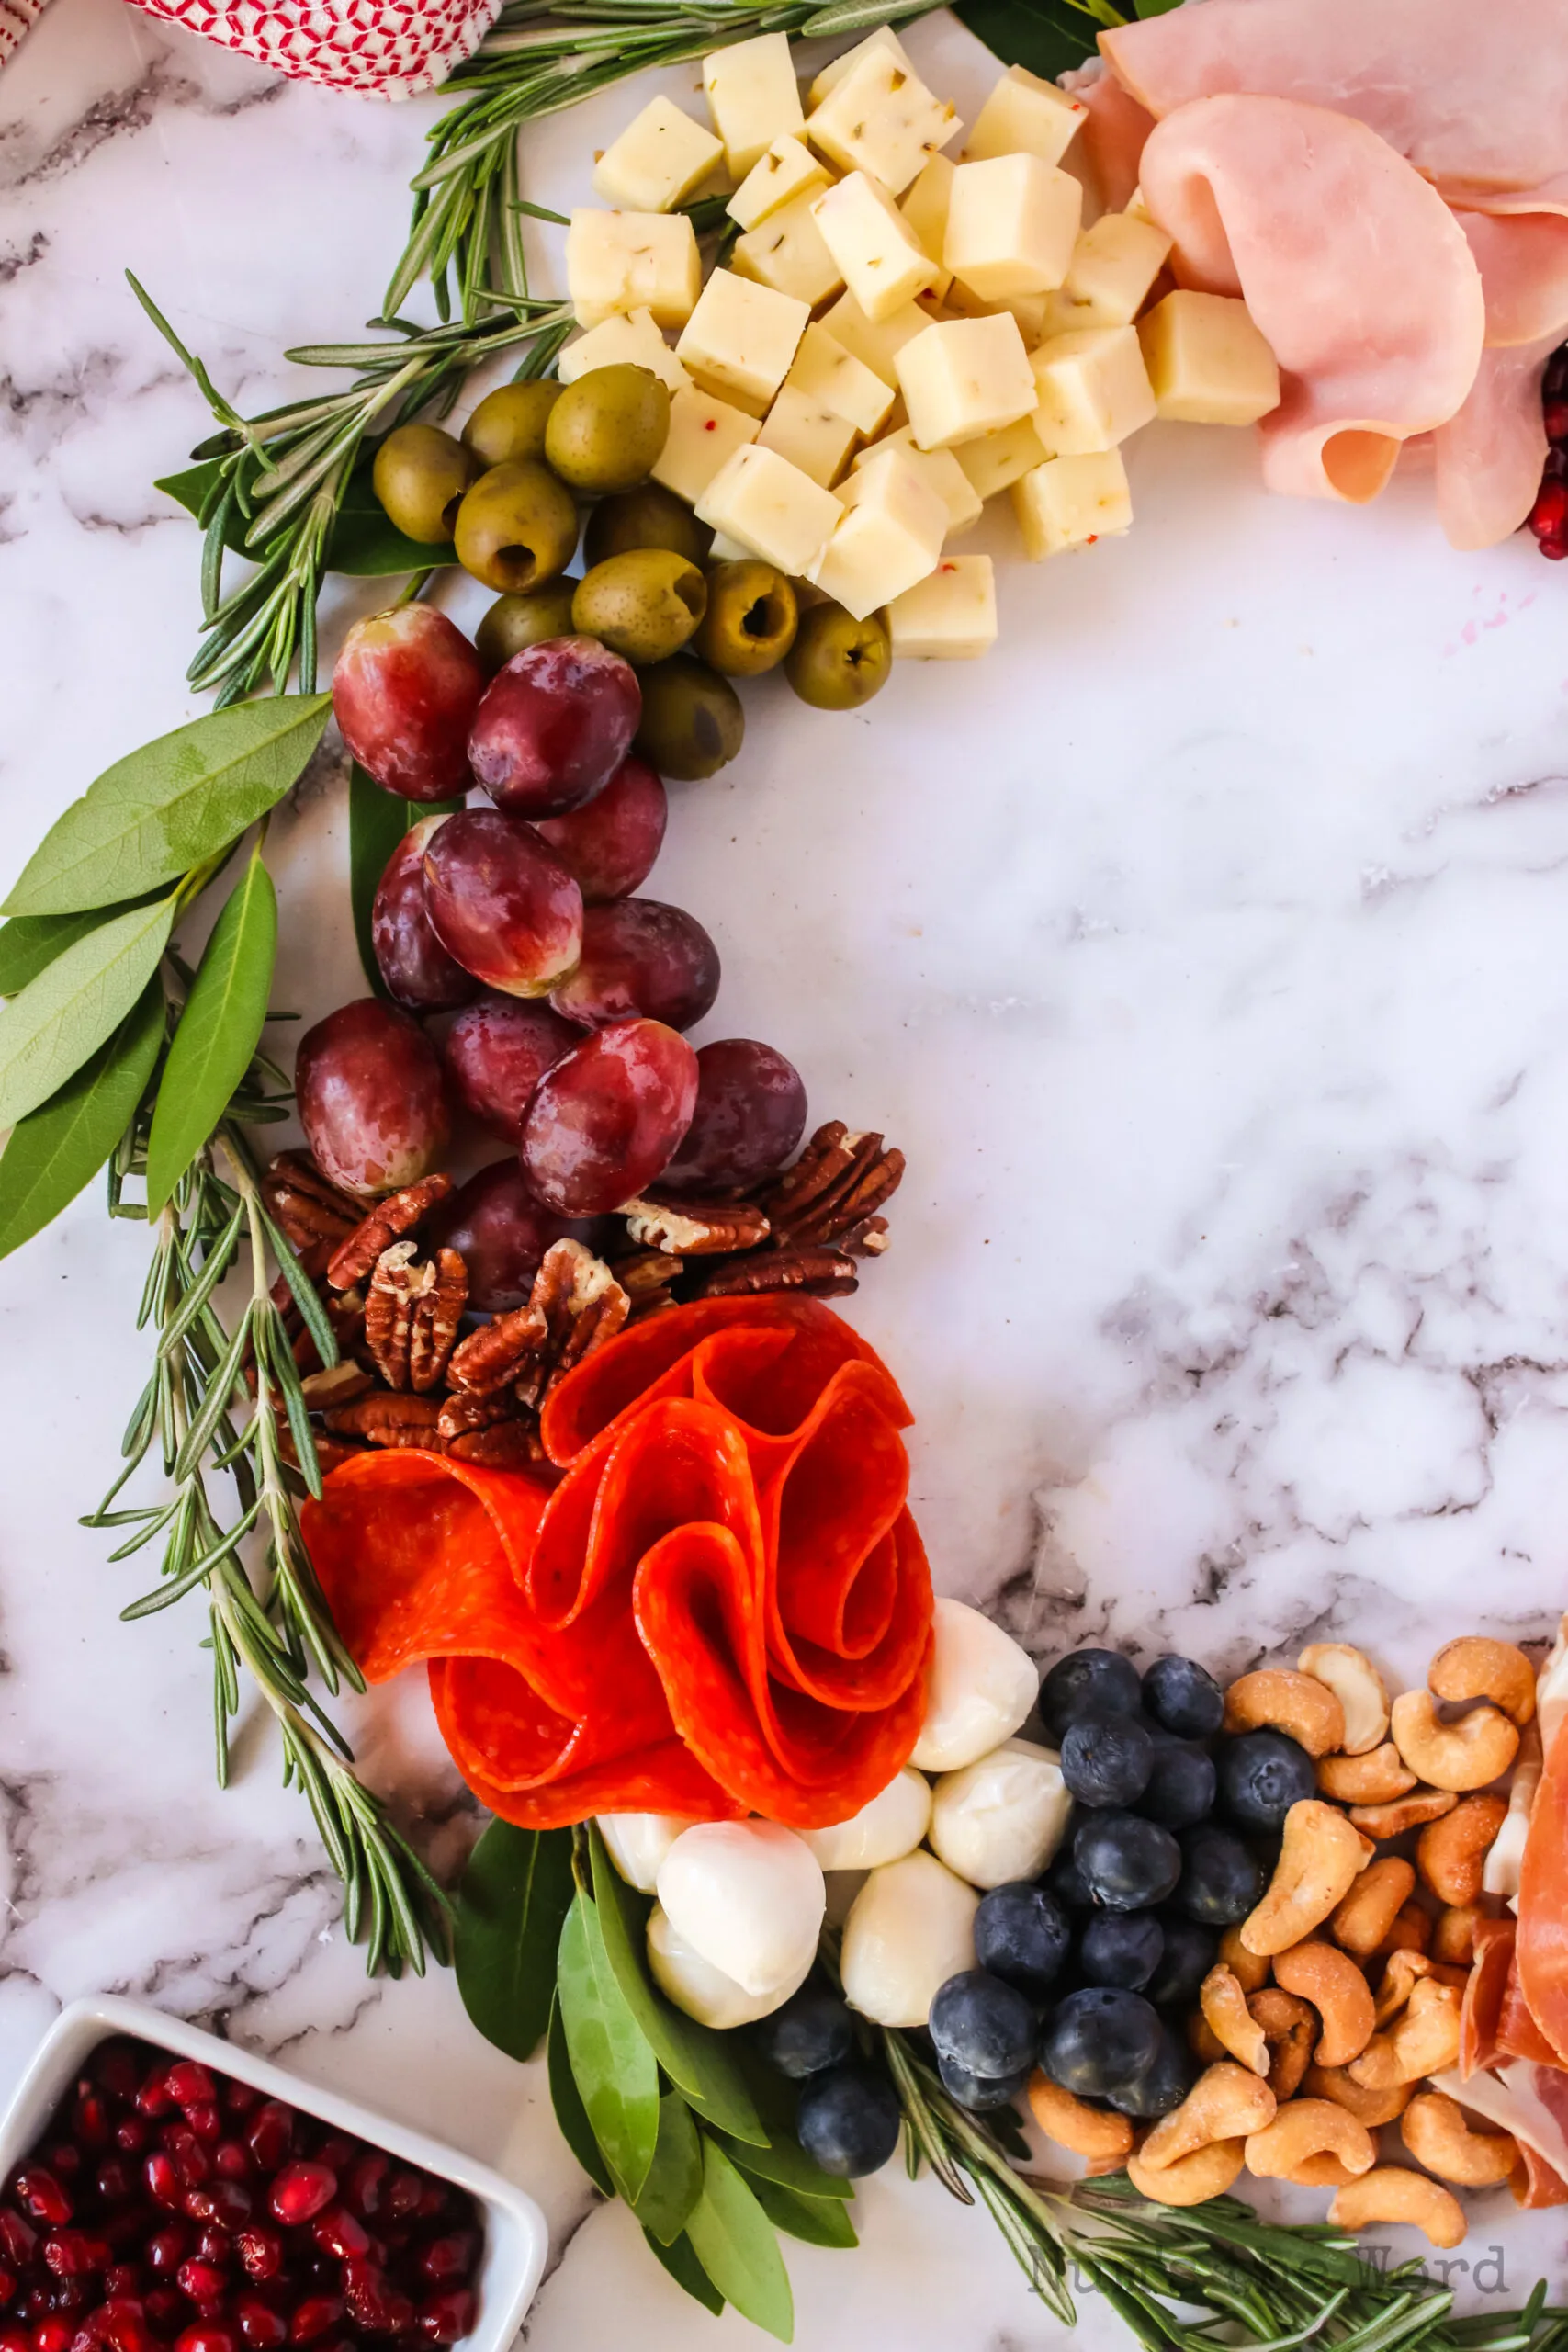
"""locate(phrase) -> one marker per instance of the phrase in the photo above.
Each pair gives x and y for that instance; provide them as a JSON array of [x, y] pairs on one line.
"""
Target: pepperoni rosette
[[723, 1607]]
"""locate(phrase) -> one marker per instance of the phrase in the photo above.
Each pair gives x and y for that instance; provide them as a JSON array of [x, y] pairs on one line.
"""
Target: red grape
[[503, 903], [416, 968], [405, 691], [554, 726], [501, 1232], [372, 1101], [611, 844], [639, 956], [496, 1054], [607, 1118], [750, 1114]]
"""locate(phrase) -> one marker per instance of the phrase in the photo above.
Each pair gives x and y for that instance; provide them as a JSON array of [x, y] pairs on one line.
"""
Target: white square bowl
[[515, 2237]]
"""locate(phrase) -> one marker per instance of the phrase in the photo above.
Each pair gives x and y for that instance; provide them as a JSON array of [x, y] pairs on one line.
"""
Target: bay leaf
[[687, 2271], [675, 2179], [613, 2068], [734, 2241], [61, 1146], [377, 823], [49, 1031], [365, 543], [512, 1906], [28, 943], [1049, 37], [785, 2161], [570, 2113], [219, 1030], [816, 2220]]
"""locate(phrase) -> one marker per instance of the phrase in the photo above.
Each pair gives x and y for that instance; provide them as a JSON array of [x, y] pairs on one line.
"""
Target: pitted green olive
[[648, 516], [836, 662], [643, 605], [750, 621], [517, 527], [515, 622], [691, 721]]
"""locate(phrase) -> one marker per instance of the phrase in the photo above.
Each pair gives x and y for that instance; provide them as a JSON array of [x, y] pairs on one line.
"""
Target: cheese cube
[[656, 161], [996, 460], [789, 254], [740, 338], [1094, 389], [704, 435], [753, 97], [1031, 310], [1207, 361], [771, 508], [1011, 226], [1072, 502], [632, 261], [810, 434], [925, 209], [781, 172], [939, 468], [884, 39], [875, 343], [1025, 116], [879, 258], [629, 339], [724, 550], [881, 118], [1113, 265], [951, 616], [826, 372], [964, 377], [888, 537]]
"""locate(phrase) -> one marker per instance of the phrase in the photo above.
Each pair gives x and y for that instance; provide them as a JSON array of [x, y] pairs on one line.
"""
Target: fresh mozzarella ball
[[703, 1991], [1002, 1818], [910, 1927], [893, 1822], [982, 1687], [746, 1895], [637, 1842]]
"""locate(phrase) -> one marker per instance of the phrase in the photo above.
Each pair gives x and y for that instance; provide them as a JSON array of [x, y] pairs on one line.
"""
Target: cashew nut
[[1324, 2171], [1411, 1931], [1475, 1667], [1369, 1910], [1331, 1981], [1439, 2135], [1376, 1778], [1423, 2040], [1381, 1822], [1190, 2180], [1451, 1854], [1320, 1858], [1399, 1978], [1274, 1699], [1203, 2041], [1390, 2193], [1289, 2028], [1226, 2102], [1309, 2127], [1251, 1969], [1467, 1754], [1371, 2108], [1358, 1687], [1088, 2132], [1453, 1938], [1223, 2004]]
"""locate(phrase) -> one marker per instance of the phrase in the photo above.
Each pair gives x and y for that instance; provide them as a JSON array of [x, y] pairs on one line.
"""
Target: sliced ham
[[1542, 1946], [1112, 135], [1488, 458]]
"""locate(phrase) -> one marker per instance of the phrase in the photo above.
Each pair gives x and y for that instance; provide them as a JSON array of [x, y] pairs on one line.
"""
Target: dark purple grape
[[372, 1098], [611, 844], [554, 726], [750, 1114], [640, 956], [415, 966], [503, 903], [496, 1054], [500, 1231], [605, 1120], [405, 693]]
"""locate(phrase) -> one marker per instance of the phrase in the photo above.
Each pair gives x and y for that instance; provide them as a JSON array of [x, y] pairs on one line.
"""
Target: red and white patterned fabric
[[381, 48], [17, 19]]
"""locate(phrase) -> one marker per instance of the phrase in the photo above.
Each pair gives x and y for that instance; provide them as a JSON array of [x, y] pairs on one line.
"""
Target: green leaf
[[815, 2220], [570, 2113], [28, 944], [76, 1003], [675, 2179], [733, 2239], [1155, 8], [785, 2161], [171, 805], [219, 1030], [365, 544], [192, 488], [377, 823], [60, 1147], [687, 2271], [1047, 36], [613, 2067], [512, 1906], [697, 2060]]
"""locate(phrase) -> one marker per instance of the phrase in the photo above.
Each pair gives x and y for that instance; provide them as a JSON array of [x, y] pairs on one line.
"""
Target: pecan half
[[817, 1273], [389, 1420], [341, 1386], [834, 1188], [331, 1452], [411, 1314], [575, 1306], [399, 1214], [462, 1414], [301, 1202], [437, 1320], [688, 1228], [508, 1445], [646, 1276]]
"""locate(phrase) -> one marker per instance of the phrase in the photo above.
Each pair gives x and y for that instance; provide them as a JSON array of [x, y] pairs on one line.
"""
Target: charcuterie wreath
[[790, 1862]]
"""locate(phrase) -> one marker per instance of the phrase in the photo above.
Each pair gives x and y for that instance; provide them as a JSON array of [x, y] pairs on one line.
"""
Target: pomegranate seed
[[313, 2317], [374, 2303], [90, 2119], [154, 2097], [208, 2335], [72, 2254], [43, 2196], [116, 2067], [115, 2183], [71, 2295], [191, 2160], [301, 2191], [450, 2259], [227, 2202], [63, 2159], [163, 2182], [367, 2184], [260, 2250], [1557, 420], [125, 2226], [7, 2284], [214, 2246], [52, 2335], [271, 2134], [403, 2193], [123, 2278], [263, 2328], [337, 2151], [16, 2339], [1554, 549], [443, 2318], [202, 2282], [166, 2248], [19, 2239], [239, 2099], [1550, 513], [37, 2303], [231, 2161], [166, 2309], [337, 2232], [190, 2084], [132, 2135], [432, 2201], [122, 2322]]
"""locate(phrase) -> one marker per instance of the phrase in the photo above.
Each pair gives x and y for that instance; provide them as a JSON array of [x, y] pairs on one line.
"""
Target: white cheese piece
[[1207, 362], [1094, 389], [925, 210], [875, 343], [656, 161], [1505, 1856], [1115, 263], [996, 460], [726, 551], [637, 1842], [910, 1927], [1003, 1817], [1072, 502], [1012, 222], [753, 97], [982, 1687], [824, 372], [784, 171], [889, 535], [1029, 310], [808, 434], [964, 377], [878, 257], [1024, 115], [790, 255], [891, 1825], [632, 261], [775, 510], [703, 436], [949, 616], [741, 339], [700, 1989], [630, 339], [881, 118], [938, 468], [832, 73], [747, 1897]]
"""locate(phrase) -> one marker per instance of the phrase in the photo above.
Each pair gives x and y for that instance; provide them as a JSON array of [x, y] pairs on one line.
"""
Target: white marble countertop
[[1203, 950]]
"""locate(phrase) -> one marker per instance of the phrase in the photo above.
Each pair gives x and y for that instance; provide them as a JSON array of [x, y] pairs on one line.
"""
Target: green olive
[[648, 516], [510, 421], [420, 476], [836, 662], [643, 605], [605, 432], [515, 622], [691, 719], [750, 621], [517, 527]]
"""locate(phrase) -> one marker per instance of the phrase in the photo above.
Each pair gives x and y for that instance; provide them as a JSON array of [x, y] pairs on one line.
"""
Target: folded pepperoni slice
[[1542, 1945]]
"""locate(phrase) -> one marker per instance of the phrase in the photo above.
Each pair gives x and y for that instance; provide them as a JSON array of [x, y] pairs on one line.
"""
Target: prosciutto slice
[[1542, 1946], [1527, 2102]]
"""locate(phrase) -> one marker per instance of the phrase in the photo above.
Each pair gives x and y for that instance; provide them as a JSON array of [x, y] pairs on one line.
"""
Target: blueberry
[[1066, 1882], [981, 2024], [1222, 1880], [1089, 1678], [1120, 1948], [1180, 1792], [1184, 1697], [1162, 2085], [848, 2120], [1107, 1759], [1127, 1863], [1190, 1953], [812, 2030], [979, 2092], [1023, 1935], [1262, 1775], [1098, 2041]]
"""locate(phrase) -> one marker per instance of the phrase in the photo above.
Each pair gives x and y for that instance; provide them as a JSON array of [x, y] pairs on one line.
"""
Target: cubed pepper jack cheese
[[656, 161], [753, 97], [996, 460], [875, 343], [833, 73], [1094, 389], [879, 258], [783, 172], [881, 118], [1025, 116], [771, 508], [964, 377], [703, 436], [1115, 263], [951, 616], [941, 469], [888, 537], [629, 339], [1207, 361], [789, 254], [632, 261], [824, 372], [1011, 225], [925, 209], [1072, 502], [741, 339], [810, 434]]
